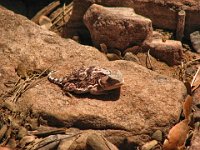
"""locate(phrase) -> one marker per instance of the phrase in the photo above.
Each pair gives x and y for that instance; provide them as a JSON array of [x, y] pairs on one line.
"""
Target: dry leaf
[[177, 136], [187, 106]]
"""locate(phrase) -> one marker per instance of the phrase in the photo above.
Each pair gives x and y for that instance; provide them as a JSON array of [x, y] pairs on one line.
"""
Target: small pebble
[[157, 135], [149, 145], [34, 123], [112, 56], [129, 56]]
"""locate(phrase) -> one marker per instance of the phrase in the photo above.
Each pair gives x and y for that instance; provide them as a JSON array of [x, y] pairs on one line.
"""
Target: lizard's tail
[[52, 79]]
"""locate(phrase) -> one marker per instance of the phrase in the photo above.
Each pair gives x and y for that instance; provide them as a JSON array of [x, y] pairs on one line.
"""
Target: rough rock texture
[[118, 28], [195, 40], [147, 100], [169, 51], [163, 13]]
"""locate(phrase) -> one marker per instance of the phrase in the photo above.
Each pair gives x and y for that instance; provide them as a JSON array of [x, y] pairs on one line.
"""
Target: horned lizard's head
[[111, 80]]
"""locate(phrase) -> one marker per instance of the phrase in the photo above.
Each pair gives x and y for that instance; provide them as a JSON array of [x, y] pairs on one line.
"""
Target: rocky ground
[[157, 107]]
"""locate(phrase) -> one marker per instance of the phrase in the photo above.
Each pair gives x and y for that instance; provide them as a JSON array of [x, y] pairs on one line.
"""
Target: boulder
[[147, 100], [163, 13], [118, 28], [195, 40], [169, 51]]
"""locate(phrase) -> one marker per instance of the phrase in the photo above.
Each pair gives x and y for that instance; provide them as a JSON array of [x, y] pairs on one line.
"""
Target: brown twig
[[69, 9], [182, 72], [180, 25], [192, 61], [195, 76], [148, 59], [20, 88]]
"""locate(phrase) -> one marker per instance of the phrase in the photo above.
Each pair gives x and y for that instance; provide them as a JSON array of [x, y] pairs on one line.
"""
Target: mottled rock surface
[[147, 100], [195, 40], [117, 27]]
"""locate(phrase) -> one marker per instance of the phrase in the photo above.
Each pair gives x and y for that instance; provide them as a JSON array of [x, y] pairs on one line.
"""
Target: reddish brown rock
[[117, 28], [147, 100], [169, 51], [163, 13]]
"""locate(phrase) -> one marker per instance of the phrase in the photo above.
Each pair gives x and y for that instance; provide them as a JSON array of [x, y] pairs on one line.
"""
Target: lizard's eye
[[103, 81], [111, 81]]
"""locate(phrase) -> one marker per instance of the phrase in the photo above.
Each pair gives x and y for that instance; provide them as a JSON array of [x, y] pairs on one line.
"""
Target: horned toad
[[94, 80]]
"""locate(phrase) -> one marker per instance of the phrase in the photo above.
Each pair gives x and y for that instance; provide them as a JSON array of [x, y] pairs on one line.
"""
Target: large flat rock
[[146, 101]]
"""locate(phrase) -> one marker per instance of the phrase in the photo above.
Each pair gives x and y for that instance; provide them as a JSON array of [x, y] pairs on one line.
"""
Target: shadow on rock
[[111, 95]]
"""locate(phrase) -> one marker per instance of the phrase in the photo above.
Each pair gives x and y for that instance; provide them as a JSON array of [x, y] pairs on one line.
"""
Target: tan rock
[[147, 100], [118, 28]]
